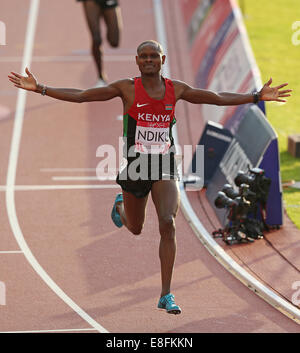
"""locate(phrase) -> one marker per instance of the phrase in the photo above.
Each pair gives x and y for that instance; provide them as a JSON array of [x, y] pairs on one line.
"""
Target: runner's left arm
[[202, 96]]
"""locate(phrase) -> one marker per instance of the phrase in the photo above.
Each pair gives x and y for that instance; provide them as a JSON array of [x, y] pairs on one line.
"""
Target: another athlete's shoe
[[100, 83], [114, 213], [167, 302]]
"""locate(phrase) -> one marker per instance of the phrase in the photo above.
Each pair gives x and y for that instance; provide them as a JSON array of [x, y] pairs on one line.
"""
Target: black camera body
[[244, 224], [257, 181], [237, 204]]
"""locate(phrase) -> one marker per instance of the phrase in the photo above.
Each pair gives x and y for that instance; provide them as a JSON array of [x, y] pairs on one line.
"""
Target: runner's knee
[[97, 41], [113, 22], [135, 229], [167, 225], [113, 40]]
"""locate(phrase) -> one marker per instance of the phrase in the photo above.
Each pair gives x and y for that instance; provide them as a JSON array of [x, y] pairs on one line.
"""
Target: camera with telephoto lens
[[230, 192], [247, 193], [243, 225], [222, 201], [253, 227], [239, 206], [244, 191], [257, 181]]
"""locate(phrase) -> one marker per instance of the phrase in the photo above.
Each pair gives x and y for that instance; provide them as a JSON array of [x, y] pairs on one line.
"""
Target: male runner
[[111, 13], [149, 103]]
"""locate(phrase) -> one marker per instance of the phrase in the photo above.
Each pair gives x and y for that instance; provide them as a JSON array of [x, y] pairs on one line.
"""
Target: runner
[[149, 114], [111, 12]]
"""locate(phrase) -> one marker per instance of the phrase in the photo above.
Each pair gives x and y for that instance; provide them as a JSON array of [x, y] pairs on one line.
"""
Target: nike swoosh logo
[[141, 105]]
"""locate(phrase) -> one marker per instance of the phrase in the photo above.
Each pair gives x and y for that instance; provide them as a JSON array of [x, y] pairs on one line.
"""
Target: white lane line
[[58, 187], [66, 170], [49, 59], [46, 331], [202, 234], [68, 178], [86, 178], [161, 33], [11, 252], [56, 170], [11, 175]]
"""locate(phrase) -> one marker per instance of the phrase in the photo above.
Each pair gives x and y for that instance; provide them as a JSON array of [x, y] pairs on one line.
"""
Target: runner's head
[[150, 57], [151, 43]]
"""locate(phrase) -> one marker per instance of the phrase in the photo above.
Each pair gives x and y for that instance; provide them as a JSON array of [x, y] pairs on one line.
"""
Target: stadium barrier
[[222, 60]]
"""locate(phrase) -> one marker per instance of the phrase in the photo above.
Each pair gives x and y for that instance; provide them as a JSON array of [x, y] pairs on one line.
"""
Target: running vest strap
[[148, 123]]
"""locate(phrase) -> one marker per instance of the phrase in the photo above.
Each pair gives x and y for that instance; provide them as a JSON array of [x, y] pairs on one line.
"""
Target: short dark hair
[[150, 42]]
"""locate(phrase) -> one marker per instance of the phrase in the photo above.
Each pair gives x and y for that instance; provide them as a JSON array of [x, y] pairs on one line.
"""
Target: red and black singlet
[[147, 125]]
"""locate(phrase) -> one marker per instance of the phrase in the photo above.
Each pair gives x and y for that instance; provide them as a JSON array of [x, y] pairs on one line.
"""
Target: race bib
[[152, 138]]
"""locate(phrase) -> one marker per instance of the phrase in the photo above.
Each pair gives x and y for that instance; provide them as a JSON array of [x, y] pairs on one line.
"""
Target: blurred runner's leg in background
[[111, 13]]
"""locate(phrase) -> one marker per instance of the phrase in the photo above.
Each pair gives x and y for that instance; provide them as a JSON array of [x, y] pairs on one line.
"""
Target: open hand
[[268, 93], [29, 83]]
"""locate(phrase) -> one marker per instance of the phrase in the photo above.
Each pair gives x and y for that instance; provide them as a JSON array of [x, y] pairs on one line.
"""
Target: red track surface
[[109, 273]]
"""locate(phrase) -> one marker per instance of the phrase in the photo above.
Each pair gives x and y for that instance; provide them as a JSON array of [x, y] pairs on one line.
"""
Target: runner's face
[[149, 60]]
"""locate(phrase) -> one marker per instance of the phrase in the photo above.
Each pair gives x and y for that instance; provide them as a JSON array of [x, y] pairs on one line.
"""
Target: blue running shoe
[[167, 302], [114, 213]]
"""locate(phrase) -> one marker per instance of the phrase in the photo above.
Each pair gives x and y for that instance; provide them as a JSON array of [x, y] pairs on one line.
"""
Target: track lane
[[12, 169]]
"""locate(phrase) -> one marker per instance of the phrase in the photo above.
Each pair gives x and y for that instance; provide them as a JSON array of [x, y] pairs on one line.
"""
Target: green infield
[[274, 35]]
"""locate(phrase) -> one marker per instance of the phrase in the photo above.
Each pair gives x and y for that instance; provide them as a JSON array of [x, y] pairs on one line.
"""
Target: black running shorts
[[138, 178], [105, 4]]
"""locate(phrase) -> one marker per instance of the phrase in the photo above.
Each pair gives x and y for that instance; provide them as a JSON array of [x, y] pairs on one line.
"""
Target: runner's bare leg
[[93, 14], [165, 195], [113, 21], [132, 212]]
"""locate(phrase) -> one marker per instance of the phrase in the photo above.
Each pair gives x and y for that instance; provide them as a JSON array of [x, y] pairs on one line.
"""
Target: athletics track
[[65, 266]]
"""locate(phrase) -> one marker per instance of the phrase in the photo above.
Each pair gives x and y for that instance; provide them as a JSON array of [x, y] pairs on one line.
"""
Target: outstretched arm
[[200, 96], [30, 83]]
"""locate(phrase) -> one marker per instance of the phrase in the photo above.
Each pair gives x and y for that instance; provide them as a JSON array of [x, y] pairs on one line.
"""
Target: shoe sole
[[175, 312]]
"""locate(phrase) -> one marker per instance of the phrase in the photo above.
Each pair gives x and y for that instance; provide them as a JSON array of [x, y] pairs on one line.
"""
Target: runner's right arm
[[67, 94], [81, 96]]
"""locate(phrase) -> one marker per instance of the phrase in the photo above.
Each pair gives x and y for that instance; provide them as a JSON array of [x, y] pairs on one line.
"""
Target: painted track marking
[[72, 170], [76, 178], [49, 59], [49, 331], [11, 252], [58, 187]]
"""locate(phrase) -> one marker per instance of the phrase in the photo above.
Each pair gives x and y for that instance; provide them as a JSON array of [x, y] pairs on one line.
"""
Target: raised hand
[[268, 93], [29, 83]]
